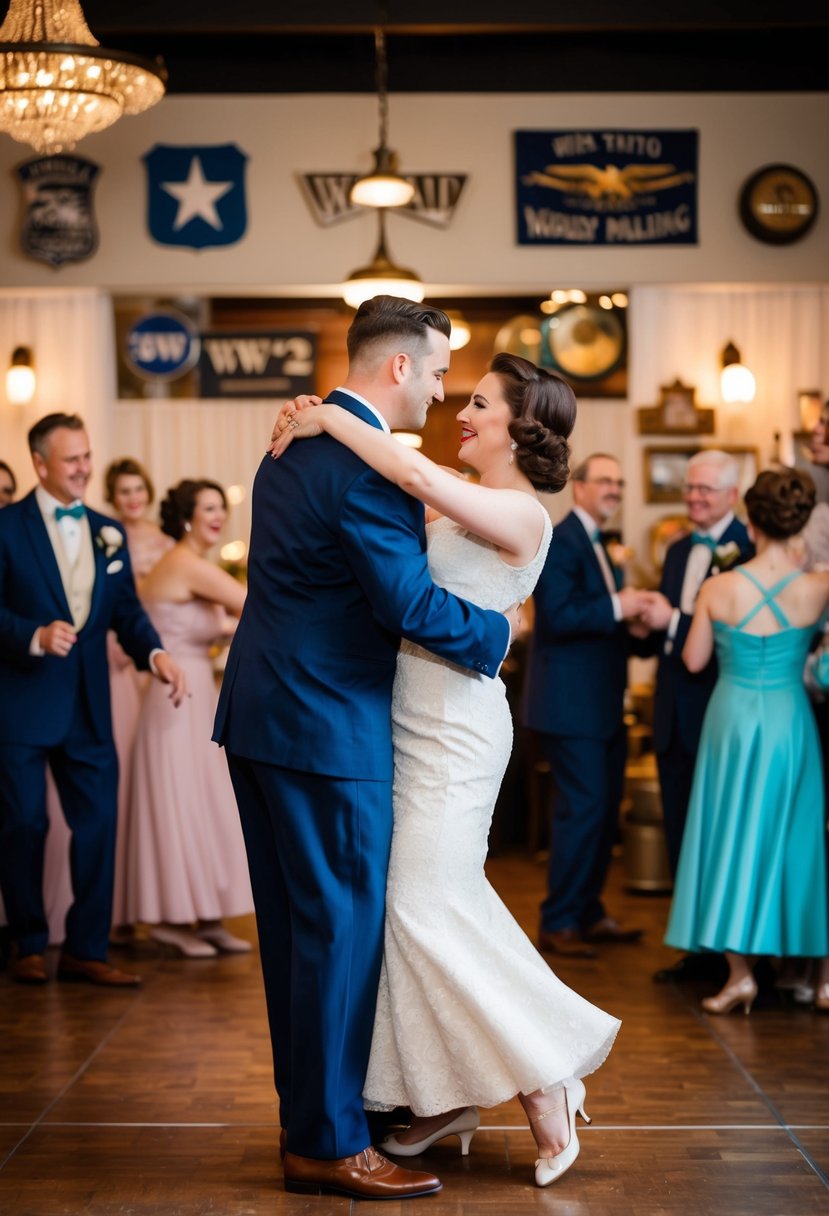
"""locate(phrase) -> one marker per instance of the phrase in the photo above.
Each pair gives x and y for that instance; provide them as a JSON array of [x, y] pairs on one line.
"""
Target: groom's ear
[[400, 366]]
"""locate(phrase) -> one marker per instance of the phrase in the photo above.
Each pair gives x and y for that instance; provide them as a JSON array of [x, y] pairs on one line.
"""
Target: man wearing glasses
[[718, 542], [577, 674]]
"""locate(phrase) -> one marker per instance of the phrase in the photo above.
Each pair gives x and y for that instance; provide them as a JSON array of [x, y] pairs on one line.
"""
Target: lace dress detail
[[468, 1012]]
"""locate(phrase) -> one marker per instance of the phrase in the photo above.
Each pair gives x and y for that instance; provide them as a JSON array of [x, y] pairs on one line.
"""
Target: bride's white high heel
[[550, 1169], [464, 1125]]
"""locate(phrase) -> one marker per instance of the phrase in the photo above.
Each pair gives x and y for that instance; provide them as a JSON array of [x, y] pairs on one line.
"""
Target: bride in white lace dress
[[468, 1013]]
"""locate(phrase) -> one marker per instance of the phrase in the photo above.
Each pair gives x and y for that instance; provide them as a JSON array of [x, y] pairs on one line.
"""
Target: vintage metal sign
[[58, 222], [435, 198], [196, 195], [257, 363], [606, 187]]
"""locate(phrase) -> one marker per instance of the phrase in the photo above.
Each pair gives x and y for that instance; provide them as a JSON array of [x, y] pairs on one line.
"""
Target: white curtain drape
[[72, 338]]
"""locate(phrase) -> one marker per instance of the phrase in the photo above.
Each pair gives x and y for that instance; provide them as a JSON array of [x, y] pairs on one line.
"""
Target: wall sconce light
[[461, 333], [383, 186], [381, 277], [20, 377], [737, 383]]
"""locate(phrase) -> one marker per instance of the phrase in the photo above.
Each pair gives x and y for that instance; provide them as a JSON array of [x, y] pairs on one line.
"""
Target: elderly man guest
[[65, 579], [577, 674]]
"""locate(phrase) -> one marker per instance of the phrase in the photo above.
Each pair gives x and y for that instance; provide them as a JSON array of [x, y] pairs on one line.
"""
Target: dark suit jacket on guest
[[577, 667], [39, 695]]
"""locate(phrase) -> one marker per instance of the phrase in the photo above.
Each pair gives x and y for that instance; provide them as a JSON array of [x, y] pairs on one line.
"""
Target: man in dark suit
[[719, 541], [337, 574], [65, 579], [577, 673]]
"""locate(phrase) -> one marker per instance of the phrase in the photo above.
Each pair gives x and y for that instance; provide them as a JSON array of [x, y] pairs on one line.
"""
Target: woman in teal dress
[[752, 872]]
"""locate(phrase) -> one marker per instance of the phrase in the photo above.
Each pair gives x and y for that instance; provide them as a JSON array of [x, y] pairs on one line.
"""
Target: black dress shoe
[[706, 966]]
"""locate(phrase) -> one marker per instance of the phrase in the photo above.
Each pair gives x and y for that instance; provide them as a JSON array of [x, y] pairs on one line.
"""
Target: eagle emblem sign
[[58, 220]]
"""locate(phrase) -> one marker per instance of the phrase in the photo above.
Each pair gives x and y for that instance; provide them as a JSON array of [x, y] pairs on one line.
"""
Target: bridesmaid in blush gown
[[468, 1012], [751, 879], [187, 866], [130, 491]]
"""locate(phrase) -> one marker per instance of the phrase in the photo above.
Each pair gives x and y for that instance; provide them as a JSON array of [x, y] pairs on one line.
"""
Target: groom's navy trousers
[[337, 574]]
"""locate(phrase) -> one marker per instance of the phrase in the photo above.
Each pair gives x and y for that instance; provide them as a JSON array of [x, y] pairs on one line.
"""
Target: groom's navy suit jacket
[[337, 574], [60, 706]]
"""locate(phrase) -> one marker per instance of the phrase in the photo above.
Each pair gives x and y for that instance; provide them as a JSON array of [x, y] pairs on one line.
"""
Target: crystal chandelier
[[58, 85]]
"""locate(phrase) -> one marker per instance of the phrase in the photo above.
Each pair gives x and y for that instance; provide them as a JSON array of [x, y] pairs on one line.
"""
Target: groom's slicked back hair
[[383, 318]]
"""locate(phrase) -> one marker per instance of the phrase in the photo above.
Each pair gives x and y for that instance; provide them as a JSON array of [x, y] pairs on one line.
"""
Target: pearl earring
[[188, 527], [513, 448]]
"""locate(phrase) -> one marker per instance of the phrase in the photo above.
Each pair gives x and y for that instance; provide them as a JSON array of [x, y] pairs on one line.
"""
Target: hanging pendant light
[[58, 84], [383, 186], [381, 277]]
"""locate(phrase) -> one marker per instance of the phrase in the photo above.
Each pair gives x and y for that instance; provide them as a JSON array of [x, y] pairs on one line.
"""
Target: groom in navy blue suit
[[337, 574], [65, 579]]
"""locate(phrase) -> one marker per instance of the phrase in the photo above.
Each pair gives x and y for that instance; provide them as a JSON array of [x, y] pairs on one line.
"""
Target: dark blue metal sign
[[161, 346], [606, 187]]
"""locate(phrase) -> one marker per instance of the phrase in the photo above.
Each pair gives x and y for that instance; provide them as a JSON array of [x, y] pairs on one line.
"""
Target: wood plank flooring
[[160, 1102]]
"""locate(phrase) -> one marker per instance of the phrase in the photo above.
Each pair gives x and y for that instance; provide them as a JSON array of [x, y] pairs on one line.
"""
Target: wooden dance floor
[[159, 1102]]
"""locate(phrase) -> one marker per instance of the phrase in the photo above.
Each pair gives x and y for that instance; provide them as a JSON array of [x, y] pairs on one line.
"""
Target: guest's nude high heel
[[463, 1125], [550, 1169], [742, 993]]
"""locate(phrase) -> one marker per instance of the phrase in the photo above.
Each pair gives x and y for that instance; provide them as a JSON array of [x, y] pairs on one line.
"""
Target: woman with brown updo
[[752, 872], [186, 859], [468, 1012]]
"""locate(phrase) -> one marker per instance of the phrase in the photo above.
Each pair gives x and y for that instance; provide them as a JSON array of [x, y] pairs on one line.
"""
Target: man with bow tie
[[719, 541], [576, 679], [65, 579]]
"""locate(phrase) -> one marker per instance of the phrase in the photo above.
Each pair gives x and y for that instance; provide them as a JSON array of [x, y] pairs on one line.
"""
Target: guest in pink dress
[[129, 489], [187, 866]]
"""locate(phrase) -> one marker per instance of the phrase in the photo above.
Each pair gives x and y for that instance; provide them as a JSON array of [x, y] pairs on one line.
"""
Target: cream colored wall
[[285, 251]]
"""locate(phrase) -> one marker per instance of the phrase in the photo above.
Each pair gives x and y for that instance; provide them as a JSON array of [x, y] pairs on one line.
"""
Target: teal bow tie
[[697, 538], [596, 536], [76, 512]]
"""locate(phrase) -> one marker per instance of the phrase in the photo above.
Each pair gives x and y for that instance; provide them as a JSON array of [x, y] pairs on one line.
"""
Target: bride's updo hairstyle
[[780, 502], [180, 502], [543, 409]]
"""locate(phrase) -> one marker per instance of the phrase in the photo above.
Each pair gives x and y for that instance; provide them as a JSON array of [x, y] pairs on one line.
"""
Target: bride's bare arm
[[507, 518]]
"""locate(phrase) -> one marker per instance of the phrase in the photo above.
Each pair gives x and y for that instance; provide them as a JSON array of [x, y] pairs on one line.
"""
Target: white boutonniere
[[724, 556], [109, 539], [115, 566]]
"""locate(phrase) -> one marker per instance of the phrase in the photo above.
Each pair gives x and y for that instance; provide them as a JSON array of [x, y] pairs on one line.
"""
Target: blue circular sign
[[162, 346]]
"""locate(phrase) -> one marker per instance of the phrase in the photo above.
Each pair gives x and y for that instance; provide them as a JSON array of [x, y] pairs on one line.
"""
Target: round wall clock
[[778, 204], [583, 341]]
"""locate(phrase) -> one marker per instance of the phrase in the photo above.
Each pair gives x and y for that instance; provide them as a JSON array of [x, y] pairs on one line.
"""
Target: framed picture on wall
[[676, 413], [666, 470]]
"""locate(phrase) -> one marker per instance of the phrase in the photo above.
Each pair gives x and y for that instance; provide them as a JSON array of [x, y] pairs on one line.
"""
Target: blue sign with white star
[[196, 195]]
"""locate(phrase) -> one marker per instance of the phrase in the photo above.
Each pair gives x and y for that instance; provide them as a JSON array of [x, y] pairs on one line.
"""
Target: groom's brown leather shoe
[[30, 969], [367, 1175]]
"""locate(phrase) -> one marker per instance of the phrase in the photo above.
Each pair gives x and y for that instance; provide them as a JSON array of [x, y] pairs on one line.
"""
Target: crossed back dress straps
[[768, 598]]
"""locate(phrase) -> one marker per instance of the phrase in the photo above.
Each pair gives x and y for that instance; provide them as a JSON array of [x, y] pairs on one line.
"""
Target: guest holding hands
[[752, 868], [186, 863]]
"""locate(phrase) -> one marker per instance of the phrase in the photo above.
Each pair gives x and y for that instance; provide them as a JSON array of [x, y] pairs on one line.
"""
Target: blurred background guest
[[719, 540], [129, 490], [186, 859], [752, 870], [8, 484]]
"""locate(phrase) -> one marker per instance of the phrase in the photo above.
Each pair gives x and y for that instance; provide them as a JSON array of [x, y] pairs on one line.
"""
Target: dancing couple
[[328, 719]]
